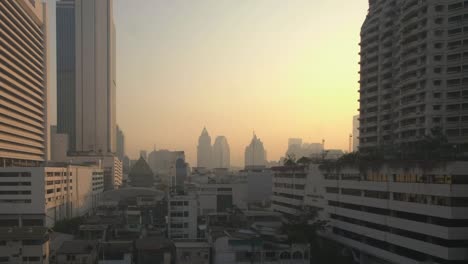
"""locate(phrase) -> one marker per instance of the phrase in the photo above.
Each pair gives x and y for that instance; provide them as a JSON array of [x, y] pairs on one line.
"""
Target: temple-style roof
[[141, 174]]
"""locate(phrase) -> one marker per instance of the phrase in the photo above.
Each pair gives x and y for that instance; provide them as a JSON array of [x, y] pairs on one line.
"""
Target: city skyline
[[270, 56]]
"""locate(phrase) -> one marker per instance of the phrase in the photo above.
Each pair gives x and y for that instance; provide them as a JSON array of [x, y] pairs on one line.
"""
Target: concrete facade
[[86, 75], [40, 196], [182, 217], [23, 77], [395, 213], [413, 72]]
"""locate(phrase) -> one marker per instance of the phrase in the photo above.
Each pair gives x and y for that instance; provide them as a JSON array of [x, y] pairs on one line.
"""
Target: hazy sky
[[281, 68]]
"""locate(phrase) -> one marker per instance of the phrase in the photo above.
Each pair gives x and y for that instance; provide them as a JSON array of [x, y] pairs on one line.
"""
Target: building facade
[[120, 145], [40, 196], [182, 217], [32, 244], [288, 192], [413, 75], [395, 213], [58, 145], [355, 133], [86, 83], [221, 153], [23, 104], [204, 150]]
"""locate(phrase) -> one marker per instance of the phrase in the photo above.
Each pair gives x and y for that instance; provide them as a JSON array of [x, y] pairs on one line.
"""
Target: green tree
[[322, 250]]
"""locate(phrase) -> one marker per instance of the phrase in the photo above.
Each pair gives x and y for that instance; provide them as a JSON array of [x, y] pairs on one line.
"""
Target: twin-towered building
[[217, 155]]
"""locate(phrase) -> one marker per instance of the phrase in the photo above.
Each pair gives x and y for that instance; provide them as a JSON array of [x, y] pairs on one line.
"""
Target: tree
[[290, 161], [68, 226], [322, 250]]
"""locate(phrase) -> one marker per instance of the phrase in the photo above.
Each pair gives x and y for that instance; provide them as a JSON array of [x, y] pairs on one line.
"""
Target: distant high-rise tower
[[413, 72], [144, 154], [24, 67], [86, 83], [255, 154], [120, 143], [355, 134], [221, 153], [204, 150]]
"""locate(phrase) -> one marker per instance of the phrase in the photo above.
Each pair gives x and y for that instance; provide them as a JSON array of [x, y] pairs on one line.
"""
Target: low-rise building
[[116, 252], [247, 246], [112, 165], [289, 184], [77, 251], [24, 245], [154, 250], [40, 196], [259, 187], [398, 212], [193, 252], [182, 217]]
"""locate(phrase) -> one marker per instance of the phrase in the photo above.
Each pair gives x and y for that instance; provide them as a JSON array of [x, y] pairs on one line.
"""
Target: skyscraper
[[86, 84], [66, 68], [120, 143], [355, 133], [413, 72], [255, 154], [23, 81], [204, 150], [221, 153]]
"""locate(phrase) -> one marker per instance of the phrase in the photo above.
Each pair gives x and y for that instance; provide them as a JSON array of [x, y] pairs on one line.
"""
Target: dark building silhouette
[[141, 174]]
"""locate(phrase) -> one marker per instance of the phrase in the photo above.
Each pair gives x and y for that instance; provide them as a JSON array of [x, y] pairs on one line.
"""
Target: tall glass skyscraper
[[86, 84]]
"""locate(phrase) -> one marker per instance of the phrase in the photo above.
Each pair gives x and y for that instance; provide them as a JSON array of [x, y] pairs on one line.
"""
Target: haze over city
[[236, 67], [234, 131]]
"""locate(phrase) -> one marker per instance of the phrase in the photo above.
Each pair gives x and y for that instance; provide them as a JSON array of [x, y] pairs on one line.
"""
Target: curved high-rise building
[[204, 150], [24, 62], [255, 154], [221, 153], [414, 71]]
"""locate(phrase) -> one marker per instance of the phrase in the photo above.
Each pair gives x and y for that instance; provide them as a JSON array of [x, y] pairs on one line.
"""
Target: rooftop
[[77, 247], [192, 244], [93, 227], [153, 243]]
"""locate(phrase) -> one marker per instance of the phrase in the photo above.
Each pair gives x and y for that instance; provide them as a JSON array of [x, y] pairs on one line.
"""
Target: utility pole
[[350, 141]]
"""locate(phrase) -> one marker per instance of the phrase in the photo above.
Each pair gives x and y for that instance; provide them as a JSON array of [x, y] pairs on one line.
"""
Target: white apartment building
[[112, 165], [413, 75], [182, 217], [397, 212], [289, 184], [40, 196], [28, 245]]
